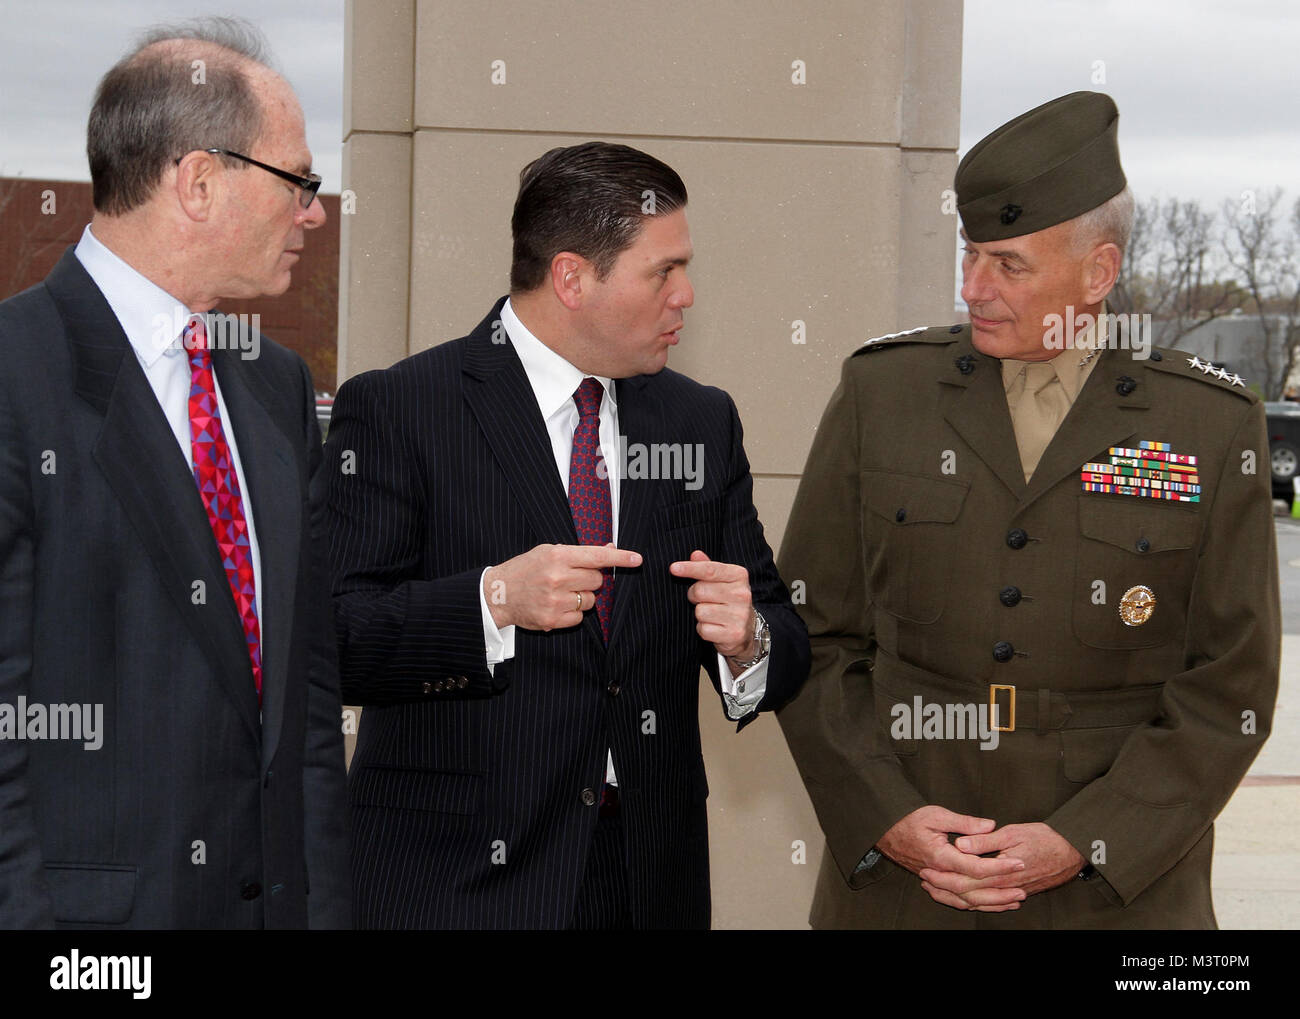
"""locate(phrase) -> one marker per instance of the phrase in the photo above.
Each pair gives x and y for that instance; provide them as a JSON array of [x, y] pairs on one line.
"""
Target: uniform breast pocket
[[909, 525], [1134, 571]]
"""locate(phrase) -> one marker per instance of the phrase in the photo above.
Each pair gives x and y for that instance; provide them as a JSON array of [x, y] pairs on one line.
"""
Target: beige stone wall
[[817, 203]]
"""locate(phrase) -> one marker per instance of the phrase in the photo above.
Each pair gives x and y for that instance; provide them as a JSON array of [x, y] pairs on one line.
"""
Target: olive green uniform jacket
[[931, 570]]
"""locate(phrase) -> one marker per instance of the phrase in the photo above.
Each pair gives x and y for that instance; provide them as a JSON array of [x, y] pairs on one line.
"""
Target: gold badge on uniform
[[1137, 605]]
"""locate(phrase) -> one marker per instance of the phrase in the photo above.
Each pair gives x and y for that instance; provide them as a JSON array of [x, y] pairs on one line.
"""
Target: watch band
[[763, 640]]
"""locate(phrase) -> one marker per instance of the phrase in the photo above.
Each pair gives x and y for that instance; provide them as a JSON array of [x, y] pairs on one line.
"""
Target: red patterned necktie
[[214, 473], [589, 489]]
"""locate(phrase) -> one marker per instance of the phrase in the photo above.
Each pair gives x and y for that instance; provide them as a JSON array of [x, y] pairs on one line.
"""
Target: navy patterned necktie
[[589, 500]]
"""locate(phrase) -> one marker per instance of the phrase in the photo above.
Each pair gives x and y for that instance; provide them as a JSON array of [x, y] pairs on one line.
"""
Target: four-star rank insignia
[[1153, 471], [1206, 368]]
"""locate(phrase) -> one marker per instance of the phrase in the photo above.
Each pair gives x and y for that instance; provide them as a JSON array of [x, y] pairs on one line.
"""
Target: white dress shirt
[[554, 381], [153, 321]]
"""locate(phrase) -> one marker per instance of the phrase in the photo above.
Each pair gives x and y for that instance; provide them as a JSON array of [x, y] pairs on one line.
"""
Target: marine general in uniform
[[1041, 583]]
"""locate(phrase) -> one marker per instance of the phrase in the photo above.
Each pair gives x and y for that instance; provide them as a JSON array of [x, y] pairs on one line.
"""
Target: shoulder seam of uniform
[[920, 334]]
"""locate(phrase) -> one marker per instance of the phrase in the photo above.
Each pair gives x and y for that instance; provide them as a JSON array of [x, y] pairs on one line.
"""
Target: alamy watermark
[[667, 461], [1110, 331], [920, 720], [224, 332], [80, 722]]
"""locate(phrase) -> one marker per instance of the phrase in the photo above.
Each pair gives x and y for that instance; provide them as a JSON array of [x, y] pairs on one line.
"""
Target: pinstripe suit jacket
[[471, 791]]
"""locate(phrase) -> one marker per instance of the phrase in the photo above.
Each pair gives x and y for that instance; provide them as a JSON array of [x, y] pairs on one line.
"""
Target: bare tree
[[1261, 248], [1173, 262]]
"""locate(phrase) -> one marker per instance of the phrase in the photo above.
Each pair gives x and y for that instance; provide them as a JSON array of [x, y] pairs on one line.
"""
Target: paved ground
[[1257, 850]]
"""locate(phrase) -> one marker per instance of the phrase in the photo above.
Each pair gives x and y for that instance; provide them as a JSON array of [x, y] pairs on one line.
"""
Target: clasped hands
[[1030, 858], [550, 587]]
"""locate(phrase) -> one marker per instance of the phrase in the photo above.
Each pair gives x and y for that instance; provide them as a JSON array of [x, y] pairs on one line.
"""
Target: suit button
[[1002, 651], [901, 515], [613, 688], [1017, 538], [250, 890], [1009, 596], [426, 688], [1143, 545], [462, 682], [438, 686], [588, 797]]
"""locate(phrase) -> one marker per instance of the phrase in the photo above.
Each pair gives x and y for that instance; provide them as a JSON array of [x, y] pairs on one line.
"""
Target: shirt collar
[[554, 380], [1069, 371], [151, 318]]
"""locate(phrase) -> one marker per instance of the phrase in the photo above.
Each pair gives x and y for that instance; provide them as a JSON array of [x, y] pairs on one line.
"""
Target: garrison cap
[[1051, 164]]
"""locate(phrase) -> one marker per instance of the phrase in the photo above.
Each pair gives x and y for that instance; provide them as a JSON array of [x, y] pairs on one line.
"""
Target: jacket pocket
[[91, 893], [908, 526], [1135, 553], [440, 792]]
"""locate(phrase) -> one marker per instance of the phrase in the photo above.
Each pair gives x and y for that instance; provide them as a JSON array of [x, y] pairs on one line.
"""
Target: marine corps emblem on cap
[[1137, 605], [1049, 165]]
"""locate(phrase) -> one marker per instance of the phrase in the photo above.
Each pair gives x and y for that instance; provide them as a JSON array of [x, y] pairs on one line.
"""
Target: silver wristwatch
[[762, 638]]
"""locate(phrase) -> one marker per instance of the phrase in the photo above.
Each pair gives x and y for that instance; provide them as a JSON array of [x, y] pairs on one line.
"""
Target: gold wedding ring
[[579, 594]]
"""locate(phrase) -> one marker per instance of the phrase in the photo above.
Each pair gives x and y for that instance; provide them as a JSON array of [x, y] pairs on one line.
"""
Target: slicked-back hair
[[155, 105], [591, 199]]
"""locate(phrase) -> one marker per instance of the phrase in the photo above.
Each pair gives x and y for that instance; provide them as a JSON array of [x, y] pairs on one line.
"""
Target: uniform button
[[954, 329], [426, 687], [1155, 356], [250, 890], [1017, 538], [1126, 386], [1009, 596], [1143, 545], [1002, 651], [613, 688], [462, 682], [901, 515], [588, 797]]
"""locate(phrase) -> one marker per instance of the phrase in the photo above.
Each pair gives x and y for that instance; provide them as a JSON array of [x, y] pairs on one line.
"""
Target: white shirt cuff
[[742, 693], [500, 643]]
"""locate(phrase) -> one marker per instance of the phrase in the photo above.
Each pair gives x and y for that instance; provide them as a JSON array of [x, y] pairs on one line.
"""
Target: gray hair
[[1110, 222], [182, 87]]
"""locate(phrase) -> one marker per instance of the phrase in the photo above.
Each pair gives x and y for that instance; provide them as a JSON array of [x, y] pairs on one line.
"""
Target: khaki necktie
[[1038, 404]]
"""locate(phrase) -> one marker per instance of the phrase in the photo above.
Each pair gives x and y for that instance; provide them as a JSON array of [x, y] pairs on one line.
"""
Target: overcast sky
[[1208, 92]]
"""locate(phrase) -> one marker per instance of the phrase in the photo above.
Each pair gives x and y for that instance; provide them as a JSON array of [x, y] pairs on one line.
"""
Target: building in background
[[39, 219]]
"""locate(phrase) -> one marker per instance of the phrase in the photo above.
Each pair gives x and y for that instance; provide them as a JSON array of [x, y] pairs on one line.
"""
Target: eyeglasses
[[309, 184]]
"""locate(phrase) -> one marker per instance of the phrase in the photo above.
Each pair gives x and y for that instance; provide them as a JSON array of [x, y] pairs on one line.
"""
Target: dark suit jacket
[[195, 812], [473, 794]]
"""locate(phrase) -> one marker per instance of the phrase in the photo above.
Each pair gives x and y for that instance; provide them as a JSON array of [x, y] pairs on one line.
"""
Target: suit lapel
[[1101, 417], [640, 419], [274, 499], [977, 410], [143, 465], [502, 402]]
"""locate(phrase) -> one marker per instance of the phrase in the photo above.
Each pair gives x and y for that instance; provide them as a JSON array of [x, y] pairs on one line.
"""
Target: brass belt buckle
[[993, 706]]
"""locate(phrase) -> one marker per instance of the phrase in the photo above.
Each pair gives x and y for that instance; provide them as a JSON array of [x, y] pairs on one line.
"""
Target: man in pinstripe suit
[[529, 755]]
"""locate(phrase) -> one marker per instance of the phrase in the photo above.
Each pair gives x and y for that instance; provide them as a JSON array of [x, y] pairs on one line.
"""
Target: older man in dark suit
[[529, 755], [170, 744]]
